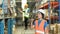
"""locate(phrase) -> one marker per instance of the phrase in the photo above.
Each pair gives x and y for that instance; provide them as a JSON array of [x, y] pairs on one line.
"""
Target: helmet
[[41, 11]]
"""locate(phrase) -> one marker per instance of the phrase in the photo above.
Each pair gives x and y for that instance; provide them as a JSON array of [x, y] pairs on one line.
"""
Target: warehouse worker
[[40, 24], [26, 15]]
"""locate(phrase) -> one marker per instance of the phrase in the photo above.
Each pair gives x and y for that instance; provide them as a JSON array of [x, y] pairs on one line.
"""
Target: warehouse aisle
[[20, 30]]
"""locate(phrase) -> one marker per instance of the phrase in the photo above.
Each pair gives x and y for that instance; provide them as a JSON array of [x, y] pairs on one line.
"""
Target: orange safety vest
[[39, 29]]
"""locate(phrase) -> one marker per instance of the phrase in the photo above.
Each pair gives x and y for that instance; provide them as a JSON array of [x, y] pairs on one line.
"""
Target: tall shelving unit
[[59, 10], [2, 18], [10, 19]]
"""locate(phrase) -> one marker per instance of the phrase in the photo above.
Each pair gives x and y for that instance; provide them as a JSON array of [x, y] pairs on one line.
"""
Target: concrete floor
[[20, 30]]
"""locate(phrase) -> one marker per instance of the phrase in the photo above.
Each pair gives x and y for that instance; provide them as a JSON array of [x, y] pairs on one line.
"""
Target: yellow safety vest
[[26, 15]]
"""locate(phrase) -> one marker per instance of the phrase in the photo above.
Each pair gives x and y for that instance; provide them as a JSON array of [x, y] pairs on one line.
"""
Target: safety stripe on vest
[[39, 32]]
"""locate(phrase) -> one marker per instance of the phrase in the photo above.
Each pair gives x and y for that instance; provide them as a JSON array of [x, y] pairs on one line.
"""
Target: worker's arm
[[46, 27], [47, 30], [20, 10], [33, 25]]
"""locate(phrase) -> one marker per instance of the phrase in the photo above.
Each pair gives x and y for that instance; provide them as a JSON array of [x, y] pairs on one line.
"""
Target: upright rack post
[[2, 18], [10, 25], [11, 20], [1, 26], [49, 14], [59, 10]]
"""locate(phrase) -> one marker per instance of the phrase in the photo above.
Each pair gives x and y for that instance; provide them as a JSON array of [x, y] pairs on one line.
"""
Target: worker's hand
[[47, 30], [47, 33], [32, 26], [20, 10]]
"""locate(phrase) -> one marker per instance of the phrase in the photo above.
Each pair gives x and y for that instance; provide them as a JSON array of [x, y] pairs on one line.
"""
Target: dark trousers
[[26, 22]]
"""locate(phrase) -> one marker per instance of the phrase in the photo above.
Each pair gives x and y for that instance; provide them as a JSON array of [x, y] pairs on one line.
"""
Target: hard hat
[[41, 11]]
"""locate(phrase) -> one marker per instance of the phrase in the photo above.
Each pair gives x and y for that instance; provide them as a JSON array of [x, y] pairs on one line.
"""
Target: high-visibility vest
[[26, 14], [39, 28]]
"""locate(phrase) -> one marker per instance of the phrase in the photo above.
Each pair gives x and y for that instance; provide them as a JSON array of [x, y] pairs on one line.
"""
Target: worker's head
[[26, 6], [40, 14]]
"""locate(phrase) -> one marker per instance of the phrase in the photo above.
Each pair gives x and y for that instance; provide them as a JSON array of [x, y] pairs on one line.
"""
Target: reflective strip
[[39, 32]]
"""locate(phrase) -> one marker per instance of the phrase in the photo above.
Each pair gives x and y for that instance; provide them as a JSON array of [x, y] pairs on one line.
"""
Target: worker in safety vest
[[26, 15], [41, 26]]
